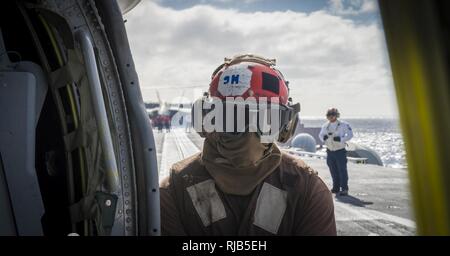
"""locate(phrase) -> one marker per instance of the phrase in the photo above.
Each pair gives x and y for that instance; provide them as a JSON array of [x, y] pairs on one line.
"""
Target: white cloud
[[328, 60], [352, 7], [229, 1]]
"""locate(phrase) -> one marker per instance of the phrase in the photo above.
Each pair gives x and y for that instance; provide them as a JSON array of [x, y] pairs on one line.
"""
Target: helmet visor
[[240, 116]]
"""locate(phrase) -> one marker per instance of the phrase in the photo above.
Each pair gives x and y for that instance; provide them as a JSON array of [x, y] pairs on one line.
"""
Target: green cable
[[71, 103]]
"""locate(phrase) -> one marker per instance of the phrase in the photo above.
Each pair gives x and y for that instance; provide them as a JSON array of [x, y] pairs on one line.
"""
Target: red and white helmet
[[250, 77]]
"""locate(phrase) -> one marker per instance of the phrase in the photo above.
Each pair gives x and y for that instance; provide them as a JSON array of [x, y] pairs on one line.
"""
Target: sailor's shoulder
[[189, 164], [185, 172], [294, 165], [345, 124], [296, 175]]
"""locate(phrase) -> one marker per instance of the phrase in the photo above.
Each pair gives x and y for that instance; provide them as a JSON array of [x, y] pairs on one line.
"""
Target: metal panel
[[7, 223], [98, 104], [17, 147], [142, 135]]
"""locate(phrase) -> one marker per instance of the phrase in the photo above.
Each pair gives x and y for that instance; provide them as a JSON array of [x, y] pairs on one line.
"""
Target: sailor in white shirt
[[335, 134]]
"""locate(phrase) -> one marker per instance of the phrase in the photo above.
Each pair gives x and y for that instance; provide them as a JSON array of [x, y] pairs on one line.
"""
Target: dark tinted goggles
[[241, 117]]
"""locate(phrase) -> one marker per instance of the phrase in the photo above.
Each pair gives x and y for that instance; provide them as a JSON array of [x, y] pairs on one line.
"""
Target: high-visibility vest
[[330, 143]]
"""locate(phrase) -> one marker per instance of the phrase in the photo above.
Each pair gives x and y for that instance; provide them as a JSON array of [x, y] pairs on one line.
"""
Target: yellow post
[[419, 56]]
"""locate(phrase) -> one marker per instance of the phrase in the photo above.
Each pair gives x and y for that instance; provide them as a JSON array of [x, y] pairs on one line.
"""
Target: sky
[[333, 53]]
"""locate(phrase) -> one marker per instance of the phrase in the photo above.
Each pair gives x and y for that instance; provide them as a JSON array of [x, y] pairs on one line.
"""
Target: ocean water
[[380, 134]]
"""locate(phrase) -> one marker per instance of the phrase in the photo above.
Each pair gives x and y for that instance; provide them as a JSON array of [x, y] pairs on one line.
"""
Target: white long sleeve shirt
[[339, 129]]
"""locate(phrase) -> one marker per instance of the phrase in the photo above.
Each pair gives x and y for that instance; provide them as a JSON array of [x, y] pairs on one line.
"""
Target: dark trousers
[[337, 162]]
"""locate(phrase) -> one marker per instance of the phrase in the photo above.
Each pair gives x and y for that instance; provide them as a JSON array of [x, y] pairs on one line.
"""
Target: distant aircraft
[[163, 109], [169, 109]]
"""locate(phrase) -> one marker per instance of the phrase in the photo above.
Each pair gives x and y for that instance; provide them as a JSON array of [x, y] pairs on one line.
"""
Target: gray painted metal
[[304, 141], [17, 147], [112, 174], [144, 149], [7, 223], [41, 82], [83, 14], [127, 5], [4, 59], [26, 66], [359, 151]]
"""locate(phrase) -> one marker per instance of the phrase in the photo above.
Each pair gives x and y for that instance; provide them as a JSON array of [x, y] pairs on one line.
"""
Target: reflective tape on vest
[[270, 208], [207, 202]]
